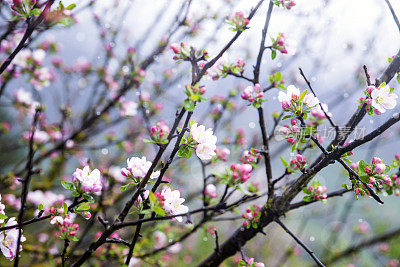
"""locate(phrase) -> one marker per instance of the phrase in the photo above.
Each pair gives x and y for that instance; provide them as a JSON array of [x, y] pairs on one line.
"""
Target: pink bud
[[368, 169], [376, 160], [370, 89], [175, 47], [379, 168]]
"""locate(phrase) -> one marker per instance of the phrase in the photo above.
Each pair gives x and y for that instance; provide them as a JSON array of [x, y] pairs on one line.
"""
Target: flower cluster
[[183, 52], [237, 174], [9, 240], [221, 154], [241, 171], [24, 8], [200, 140], [63, 220], [379, 99], [31, 62], [136, 169], [297, 163], [279, 44], [211, 230], [222, 103], [293, 134], [276, 80], [127, 108], [222, 68], [194, 94], [288, 4], [315, 191], [254, 95], [158, 133], [298, 104], [252, 216], [85, 181], [238, 21], [375, 175], [251, 156]]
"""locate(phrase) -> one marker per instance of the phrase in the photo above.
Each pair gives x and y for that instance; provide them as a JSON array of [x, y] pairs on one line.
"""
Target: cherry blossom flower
[[138, 168], [311, 100], [383, 99], [90, 181], [9, 240], [206, 141], [128, 108], [23, 97], [211, 191], [319, 113], [173, 202], [292, 93]]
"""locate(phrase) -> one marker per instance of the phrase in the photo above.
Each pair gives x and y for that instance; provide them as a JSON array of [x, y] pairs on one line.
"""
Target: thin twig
[[310, 252], [25, 183], [393, 14]]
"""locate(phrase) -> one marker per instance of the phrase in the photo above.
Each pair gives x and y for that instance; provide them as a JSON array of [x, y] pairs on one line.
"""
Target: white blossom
[[173, 202], [383, 99]]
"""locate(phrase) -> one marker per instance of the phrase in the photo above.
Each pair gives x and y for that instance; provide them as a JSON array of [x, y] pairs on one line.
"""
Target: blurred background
[[329, 40]]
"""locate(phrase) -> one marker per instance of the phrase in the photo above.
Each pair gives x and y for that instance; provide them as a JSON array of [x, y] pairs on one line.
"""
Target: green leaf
[[398, 78], [73, 238], [362, 165], [147, 140], [273, 54], [278, 76], [88, 198], [294, 146], [287, 117], [36, 11], [387, 169], [68, 185], [3, 216], [364, 178], [184, 152], [189, 105], [41, 207], [284, 162], [159, 211], [152, 197], [307, 198], [75, 194], [302, 95], [70, 7], [65, 206], [315, 183], [83, 207]]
